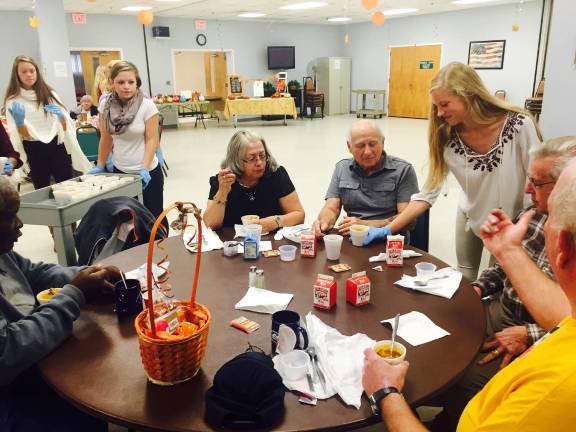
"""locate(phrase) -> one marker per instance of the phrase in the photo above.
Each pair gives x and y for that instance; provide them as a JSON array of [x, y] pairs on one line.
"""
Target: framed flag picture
[[486, 54]]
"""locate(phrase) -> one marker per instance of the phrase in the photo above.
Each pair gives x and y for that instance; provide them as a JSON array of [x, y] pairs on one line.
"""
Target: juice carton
[[308, 244], [394, 248], [358, 289], [325, 292]]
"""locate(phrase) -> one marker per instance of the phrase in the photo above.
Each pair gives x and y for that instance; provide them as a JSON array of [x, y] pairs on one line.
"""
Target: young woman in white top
[[129, 122], [485, 143], [39, 126]]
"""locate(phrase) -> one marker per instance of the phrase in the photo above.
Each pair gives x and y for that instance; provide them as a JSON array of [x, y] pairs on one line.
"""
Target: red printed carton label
[[325, 292], [358, 289], [394, 248]]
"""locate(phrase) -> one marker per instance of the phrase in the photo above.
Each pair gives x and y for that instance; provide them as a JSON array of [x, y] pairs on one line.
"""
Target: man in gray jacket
[[29, 332]]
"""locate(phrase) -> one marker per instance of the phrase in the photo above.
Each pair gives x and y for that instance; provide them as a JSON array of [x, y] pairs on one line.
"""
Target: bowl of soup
[[46, 295], [382, 348]]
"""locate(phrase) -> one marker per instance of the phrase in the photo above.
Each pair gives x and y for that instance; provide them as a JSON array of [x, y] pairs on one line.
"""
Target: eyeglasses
[[536, 184], [257, 157]]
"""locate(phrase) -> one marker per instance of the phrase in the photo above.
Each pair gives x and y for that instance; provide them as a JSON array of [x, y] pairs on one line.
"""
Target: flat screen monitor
[[281, 57]]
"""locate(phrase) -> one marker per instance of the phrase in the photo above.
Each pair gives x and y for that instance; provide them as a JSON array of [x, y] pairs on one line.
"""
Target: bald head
[[363, 127], [366, 143], [562, 202]]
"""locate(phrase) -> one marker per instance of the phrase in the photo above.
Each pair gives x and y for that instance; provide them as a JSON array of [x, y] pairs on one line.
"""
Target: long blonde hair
[[102, 82], [483, 108]]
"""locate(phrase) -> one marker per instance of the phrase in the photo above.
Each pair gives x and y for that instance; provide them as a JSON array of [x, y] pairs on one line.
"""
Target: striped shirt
[[493, 280]]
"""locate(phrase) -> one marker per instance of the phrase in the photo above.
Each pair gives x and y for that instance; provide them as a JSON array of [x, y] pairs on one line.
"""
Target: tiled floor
[[307, 148]]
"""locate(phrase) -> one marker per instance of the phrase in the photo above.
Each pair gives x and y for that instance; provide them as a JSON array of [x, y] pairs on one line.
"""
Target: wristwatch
[[378, 395], [277, 220]]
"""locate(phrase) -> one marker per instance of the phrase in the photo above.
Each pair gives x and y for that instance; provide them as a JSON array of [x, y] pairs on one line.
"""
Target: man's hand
[[320, 228], [500, 235], [268, 224], [94, 283], [378, 373], [347, 222], [509, 343]]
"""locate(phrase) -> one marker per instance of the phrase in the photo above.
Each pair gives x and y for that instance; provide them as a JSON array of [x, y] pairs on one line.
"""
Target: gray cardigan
[[29, 333]]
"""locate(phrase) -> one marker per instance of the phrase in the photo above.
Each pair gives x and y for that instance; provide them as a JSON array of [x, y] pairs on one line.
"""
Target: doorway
[[411, 70], [84, 65], [203, 71]]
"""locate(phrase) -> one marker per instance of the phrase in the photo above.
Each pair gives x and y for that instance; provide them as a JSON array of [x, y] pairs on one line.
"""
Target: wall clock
[[201, 39]]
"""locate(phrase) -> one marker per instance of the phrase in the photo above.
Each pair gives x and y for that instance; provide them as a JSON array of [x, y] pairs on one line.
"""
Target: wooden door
[[411, 70], [90, 61], [216, 74]]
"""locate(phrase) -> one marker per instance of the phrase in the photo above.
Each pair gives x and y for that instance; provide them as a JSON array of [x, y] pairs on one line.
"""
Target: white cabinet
[[333, 79]]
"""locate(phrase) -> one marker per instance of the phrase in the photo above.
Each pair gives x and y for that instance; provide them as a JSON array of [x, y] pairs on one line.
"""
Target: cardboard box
[[325, 292], [358, 289]]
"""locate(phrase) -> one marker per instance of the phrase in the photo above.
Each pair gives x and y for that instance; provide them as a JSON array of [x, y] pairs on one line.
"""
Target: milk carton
[[325, 292], [358, 289]]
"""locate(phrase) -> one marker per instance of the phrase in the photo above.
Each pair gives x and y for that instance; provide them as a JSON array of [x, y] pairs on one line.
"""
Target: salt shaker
[[260, 279], [252, 276]]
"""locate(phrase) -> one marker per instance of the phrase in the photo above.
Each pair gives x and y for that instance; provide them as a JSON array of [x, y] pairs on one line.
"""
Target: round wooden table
[[99, 369]]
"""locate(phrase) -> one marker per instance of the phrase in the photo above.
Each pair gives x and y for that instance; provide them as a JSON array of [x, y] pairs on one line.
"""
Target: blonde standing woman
[[485, 143], [40, 127]]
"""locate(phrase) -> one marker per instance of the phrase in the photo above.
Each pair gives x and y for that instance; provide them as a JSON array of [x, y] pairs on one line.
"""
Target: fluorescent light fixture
[[251, 14], [391, 12], [169, 1], [136, 8], [305, 5], [339, 19], [467, 2]]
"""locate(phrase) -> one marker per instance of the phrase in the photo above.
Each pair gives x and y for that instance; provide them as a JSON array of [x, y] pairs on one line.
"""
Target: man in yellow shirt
[[536, 392]]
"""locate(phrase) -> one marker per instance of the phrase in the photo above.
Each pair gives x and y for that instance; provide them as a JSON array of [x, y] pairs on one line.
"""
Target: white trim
[[390, 61], [230, 65], [98, 49]]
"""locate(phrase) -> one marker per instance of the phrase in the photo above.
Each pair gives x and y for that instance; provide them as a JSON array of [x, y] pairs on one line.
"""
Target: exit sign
[[200, 24], [79, 18], [427, 64]]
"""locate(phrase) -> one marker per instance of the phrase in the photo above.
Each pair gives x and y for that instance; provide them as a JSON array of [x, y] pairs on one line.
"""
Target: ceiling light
[[305, 5], [467, 2], [251, 14], [391, 12], [339, 19], [136, 8], [169, 1]]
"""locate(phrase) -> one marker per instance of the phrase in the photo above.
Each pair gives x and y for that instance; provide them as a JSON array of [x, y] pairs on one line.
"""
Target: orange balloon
[[515, 27], [369, 4], [378, 18], [145, 17], [33, 21]]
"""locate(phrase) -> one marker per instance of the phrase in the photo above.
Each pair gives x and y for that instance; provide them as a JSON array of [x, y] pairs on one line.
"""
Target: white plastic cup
[[333, 245], [295, 364], [358, 233], [382, 348], [287, 252], [250, 219], [253, 230], [425, 269]]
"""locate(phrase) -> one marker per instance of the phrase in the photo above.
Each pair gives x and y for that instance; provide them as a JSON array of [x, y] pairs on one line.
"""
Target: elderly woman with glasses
[[251, 183]]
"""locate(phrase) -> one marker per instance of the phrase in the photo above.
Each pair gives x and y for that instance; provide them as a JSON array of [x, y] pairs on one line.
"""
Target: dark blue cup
[[128, 297], [292, 320]]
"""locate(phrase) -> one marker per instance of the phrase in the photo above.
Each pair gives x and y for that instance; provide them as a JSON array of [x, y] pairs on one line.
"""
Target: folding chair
[[89, 138]]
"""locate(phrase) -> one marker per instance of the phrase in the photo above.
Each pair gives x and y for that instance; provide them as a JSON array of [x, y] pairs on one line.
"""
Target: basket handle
[[182, 207]]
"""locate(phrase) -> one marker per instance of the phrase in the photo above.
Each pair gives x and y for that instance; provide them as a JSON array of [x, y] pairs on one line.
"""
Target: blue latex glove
[[145, 174], [376, 233], [18, 113], [160, 156], [97, 170], [55, 109], [110, 164], [8, 167]]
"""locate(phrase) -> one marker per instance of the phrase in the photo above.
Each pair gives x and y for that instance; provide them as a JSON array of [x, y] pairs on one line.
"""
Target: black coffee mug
[[128, 297], [292, 320]]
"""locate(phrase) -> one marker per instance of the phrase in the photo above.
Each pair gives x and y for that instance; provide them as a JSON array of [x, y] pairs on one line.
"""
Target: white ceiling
[[229, 9]]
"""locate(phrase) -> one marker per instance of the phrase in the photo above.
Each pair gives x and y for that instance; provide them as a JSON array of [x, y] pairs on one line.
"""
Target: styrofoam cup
[[333, 245], [358, 233]]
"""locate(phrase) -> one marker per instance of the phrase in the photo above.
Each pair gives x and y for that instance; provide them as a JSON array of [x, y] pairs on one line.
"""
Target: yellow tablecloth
[[260, 106]]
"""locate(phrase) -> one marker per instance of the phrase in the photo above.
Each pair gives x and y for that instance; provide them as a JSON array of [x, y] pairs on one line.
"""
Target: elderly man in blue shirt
[[372, 186]]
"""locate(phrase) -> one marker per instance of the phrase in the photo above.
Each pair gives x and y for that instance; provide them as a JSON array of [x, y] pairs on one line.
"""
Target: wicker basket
[[169, 362], [172, 362]]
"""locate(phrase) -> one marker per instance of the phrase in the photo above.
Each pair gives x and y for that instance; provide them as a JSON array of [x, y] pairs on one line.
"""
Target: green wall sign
[[427, 64]]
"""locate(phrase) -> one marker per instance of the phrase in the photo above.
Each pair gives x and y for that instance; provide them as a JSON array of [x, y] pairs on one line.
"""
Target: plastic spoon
[[394, 330], [424, 281]]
